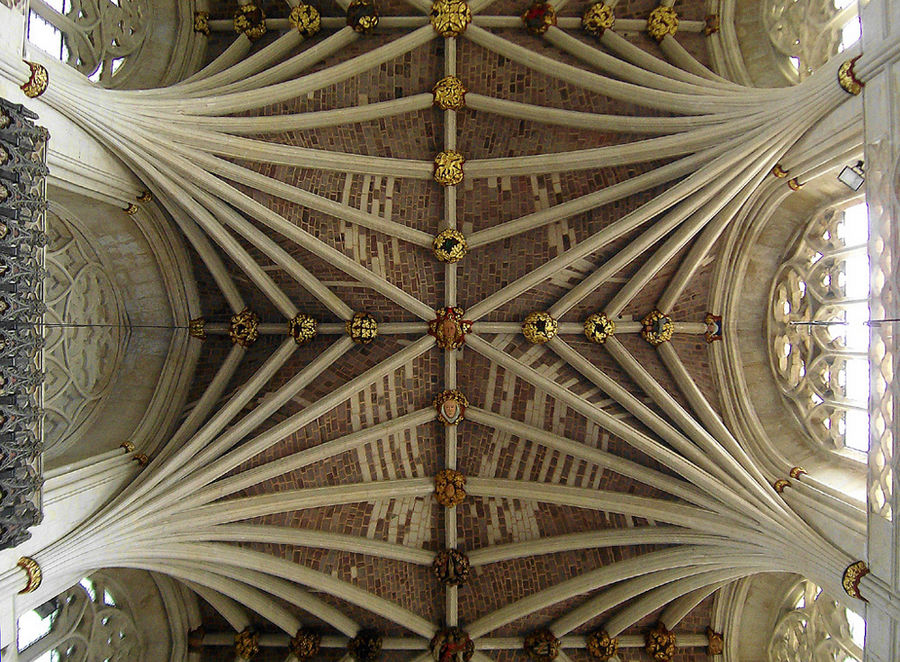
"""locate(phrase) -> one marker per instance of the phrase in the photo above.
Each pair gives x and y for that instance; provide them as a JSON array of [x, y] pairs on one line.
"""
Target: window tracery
[[809, 32], [822, 368], [811, 626], [93, 36], [87, 623]]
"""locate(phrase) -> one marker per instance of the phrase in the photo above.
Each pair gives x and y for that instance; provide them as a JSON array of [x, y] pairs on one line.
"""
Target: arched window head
[[818, 337], [809, 32], [90, 621], [812, 627]]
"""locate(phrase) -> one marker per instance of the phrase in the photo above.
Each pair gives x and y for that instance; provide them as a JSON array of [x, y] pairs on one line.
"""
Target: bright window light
[[32, 627], [857, 628], [850, 33]]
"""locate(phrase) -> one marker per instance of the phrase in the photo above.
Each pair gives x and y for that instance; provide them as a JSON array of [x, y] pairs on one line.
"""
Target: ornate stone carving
[[33, 570], [246, 644], [657, 328], [779, 172], [659, 643], [450, 406], [365, 646], [302, 328], [452, 645], [305, 19], [794, 184], [712, 24], [449, 328], [542, 646], [847, 78], [601, 646], [449, 488], [449, 18], [597, 19], [244, 328], [598, 327], [362, 16], [539, 17], [362, 328], [449, 93], [250, 21], [661, 22], [796, 472], [82, 362], [713, 327], [127, 446], [448, 168], [131, 209], [451, 567], [197, 328], [539, 327], [37, 82], [780, 484], [450, 245], [201, 22], [852, 576], [145, 196], [716, 642], [305, 644], [141, 459]]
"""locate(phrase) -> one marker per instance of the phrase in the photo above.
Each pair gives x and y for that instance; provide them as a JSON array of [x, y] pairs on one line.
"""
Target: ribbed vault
[[604, 492]]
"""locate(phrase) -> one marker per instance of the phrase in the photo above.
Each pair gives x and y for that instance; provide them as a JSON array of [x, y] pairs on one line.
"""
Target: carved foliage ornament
[[362, 328], [779, 172], [201, 22], [598, 327], [539, 327], [448, 168], [660, 643], [449, 328], [244, 328], [450, 18], [780, 484], [449, 488], [539, 17], [450, 245], [362, 16], [542, 646], [451, 567], [365, 646], [847, 78], [657, 328], [449, 93], [452, 645], [598, 19], [250, 20], [33, 570], [852, 576], [796, 472], [305, 19], [305, 644], [716, 642], [37, 82], [661, 22], [246, 644], [601, 646], [712, 24], [450, 406], [302, 328], [197, 328]]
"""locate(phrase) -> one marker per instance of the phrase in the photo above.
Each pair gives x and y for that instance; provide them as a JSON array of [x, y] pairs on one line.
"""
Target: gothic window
[[94, 36], [809, 32], [818, 337], [815, 628], [87, 623]]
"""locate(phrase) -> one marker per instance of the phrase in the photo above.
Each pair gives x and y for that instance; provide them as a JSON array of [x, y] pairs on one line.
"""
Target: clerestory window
[[818, 333]]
